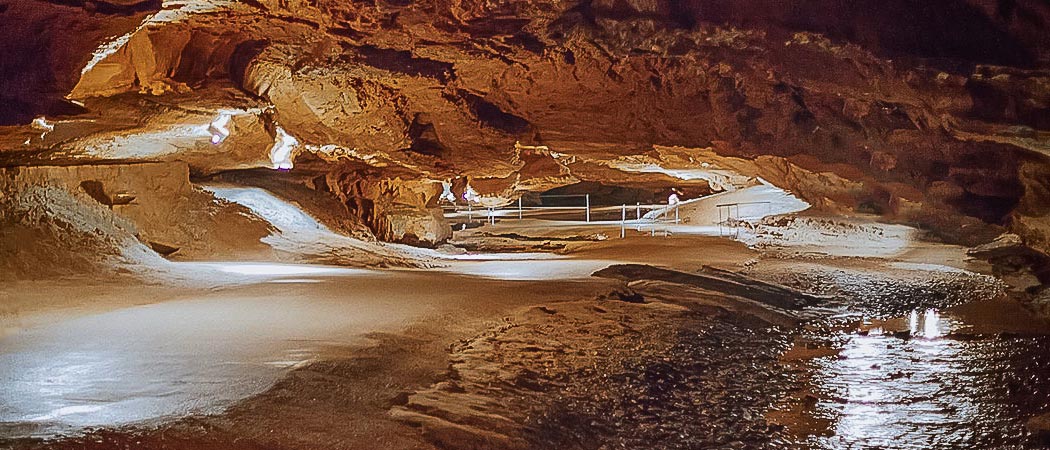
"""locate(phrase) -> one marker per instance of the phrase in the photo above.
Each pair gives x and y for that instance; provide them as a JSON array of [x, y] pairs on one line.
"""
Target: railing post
[[588, 207], [676, 213], [623, 222], [470, 212], [736, 226], [638, 210], [519, 208]]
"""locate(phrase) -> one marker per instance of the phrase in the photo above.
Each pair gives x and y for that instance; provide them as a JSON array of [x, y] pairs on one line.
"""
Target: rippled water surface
[[927, 380]]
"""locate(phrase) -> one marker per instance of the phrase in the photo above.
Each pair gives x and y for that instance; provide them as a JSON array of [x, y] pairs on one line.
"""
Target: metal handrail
[[722, 205], [639, 222]]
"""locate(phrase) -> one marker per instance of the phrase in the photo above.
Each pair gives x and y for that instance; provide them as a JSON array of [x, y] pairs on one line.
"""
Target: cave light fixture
[[446, 192], [219, 128], [281, 152], [42, 125], [470, 195]]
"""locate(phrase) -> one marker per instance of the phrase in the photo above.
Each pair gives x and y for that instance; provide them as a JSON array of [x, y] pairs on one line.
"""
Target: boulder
[[1039, 301], [1007, 244], [414, 226]]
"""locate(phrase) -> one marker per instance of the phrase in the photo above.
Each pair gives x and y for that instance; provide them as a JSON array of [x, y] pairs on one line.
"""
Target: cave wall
[[46, 44], [935, 113], [161, 207]]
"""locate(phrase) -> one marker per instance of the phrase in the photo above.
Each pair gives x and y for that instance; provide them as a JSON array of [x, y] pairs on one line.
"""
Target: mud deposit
[[608, 374], [707, 391]]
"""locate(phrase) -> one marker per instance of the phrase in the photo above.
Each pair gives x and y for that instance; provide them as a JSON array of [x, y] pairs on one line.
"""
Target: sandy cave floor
[[528, 350]]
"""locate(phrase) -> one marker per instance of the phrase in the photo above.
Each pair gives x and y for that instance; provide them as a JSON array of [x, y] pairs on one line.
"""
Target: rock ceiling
[[933, 112]]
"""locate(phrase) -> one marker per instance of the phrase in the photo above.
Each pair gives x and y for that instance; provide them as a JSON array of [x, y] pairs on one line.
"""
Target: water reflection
[[891, 385], [915, 382], [927, 326]]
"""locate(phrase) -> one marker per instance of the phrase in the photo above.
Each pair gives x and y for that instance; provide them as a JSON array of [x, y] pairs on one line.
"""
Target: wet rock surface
[[889, 292], [1040, 427], [708, 390], [607, 374], [900, 364], [916, 390]]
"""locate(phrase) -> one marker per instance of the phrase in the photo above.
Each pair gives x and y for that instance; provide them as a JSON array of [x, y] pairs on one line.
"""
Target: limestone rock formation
[[153, 202], [409, 225], [941, 120], [1003, 246]]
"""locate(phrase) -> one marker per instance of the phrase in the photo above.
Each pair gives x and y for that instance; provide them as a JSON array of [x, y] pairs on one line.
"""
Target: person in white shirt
[[672, 201]]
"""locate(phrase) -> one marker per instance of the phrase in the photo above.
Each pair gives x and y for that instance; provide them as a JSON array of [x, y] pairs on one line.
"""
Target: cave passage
[[661, 224]]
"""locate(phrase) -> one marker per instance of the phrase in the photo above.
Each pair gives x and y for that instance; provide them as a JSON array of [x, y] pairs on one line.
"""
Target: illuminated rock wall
[[935, 113]]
